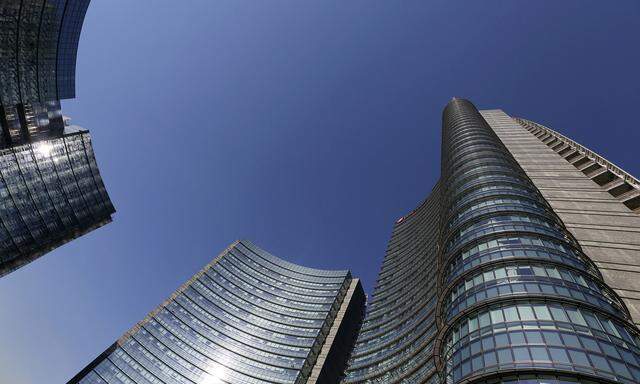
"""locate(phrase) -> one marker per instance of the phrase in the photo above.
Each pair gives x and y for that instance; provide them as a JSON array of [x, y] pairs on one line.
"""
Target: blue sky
[[305, 126]]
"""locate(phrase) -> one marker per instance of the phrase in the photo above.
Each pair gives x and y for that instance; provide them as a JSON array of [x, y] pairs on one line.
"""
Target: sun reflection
[[215, 375], [44, 148]]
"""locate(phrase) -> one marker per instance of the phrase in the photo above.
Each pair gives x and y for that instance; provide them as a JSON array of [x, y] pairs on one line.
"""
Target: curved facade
[[38, 45], [396, 340], [483, 283], [247, 317], [518, 293], [598, 201], [50, 189], [50, 193]]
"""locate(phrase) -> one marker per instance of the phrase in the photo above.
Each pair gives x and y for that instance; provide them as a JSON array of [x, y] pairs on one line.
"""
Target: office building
[[51, 192], [521, 266], [246, 317], [38, 47], [51, 189]]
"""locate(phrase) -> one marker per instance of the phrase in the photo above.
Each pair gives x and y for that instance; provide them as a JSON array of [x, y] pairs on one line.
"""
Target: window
[[521, 354], [559, 355], [579, 358], [504, 356], [539, 354]]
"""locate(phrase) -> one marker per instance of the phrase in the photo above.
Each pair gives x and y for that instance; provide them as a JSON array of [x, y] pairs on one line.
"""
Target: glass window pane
[[559, 355], [579, 358], [511, 314], [539, 354], [504, 356], [542, 312]]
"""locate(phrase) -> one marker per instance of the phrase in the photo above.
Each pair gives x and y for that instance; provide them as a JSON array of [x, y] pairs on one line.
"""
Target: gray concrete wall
[[608, 231]]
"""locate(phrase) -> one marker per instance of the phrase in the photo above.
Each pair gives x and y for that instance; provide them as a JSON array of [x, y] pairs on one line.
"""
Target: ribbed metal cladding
[[518, 299]]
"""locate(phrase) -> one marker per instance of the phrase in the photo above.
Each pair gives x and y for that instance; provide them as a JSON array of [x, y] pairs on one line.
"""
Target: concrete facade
[[607, 230]]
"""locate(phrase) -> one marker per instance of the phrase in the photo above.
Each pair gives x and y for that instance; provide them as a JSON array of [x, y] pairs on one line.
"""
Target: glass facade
[[396, 340], [50, 189], [24, 123], [598, 201], [483, 283], [247, 317], [38, 46], [517, 292], [50, 192]]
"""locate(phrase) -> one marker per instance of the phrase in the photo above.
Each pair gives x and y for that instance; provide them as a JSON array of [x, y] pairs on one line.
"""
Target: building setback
[[504, 274], [246, 317], [50, 189]]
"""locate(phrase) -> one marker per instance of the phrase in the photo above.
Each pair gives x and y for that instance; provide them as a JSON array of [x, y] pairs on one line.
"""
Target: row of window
[[276, 280], [49, 191], [490, 181], [490, 187], [497, 224], [530, 279], [39, 62], [495, 204], [400, 322], [542, 334], [288, 275], [224, 327], [527, 246], [491, 196]]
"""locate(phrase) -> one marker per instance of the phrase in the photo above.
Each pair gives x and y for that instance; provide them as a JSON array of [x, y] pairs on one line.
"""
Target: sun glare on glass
[[44, 148], [215, 375]]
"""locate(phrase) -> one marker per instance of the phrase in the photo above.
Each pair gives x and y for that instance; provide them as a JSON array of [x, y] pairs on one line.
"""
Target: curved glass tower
[[247, 317], [50, 189], [517, 292], [395, 343], [51, 193], [483, 283], [38, 46]]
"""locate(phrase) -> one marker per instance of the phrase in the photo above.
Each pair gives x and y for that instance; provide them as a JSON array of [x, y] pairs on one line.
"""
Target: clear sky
[[307, 127]]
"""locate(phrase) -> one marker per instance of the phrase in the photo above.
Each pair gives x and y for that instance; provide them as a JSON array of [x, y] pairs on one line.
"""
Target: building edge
[[332, 359], [95, 362], [327, 361], [595, 199], [15, 264]]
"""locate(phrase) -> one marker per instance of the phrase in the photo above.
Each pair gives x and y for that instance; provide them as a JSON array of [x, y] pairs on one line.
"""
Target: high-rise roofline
[[248, 316], [490, 279]]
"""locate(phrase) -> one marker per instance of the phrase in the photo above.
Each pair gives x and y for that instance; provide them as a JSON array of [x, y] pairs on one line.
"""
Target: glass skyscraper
[[598, 202], [38, 47], [520, 267], [51, 190], [246, 317]]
